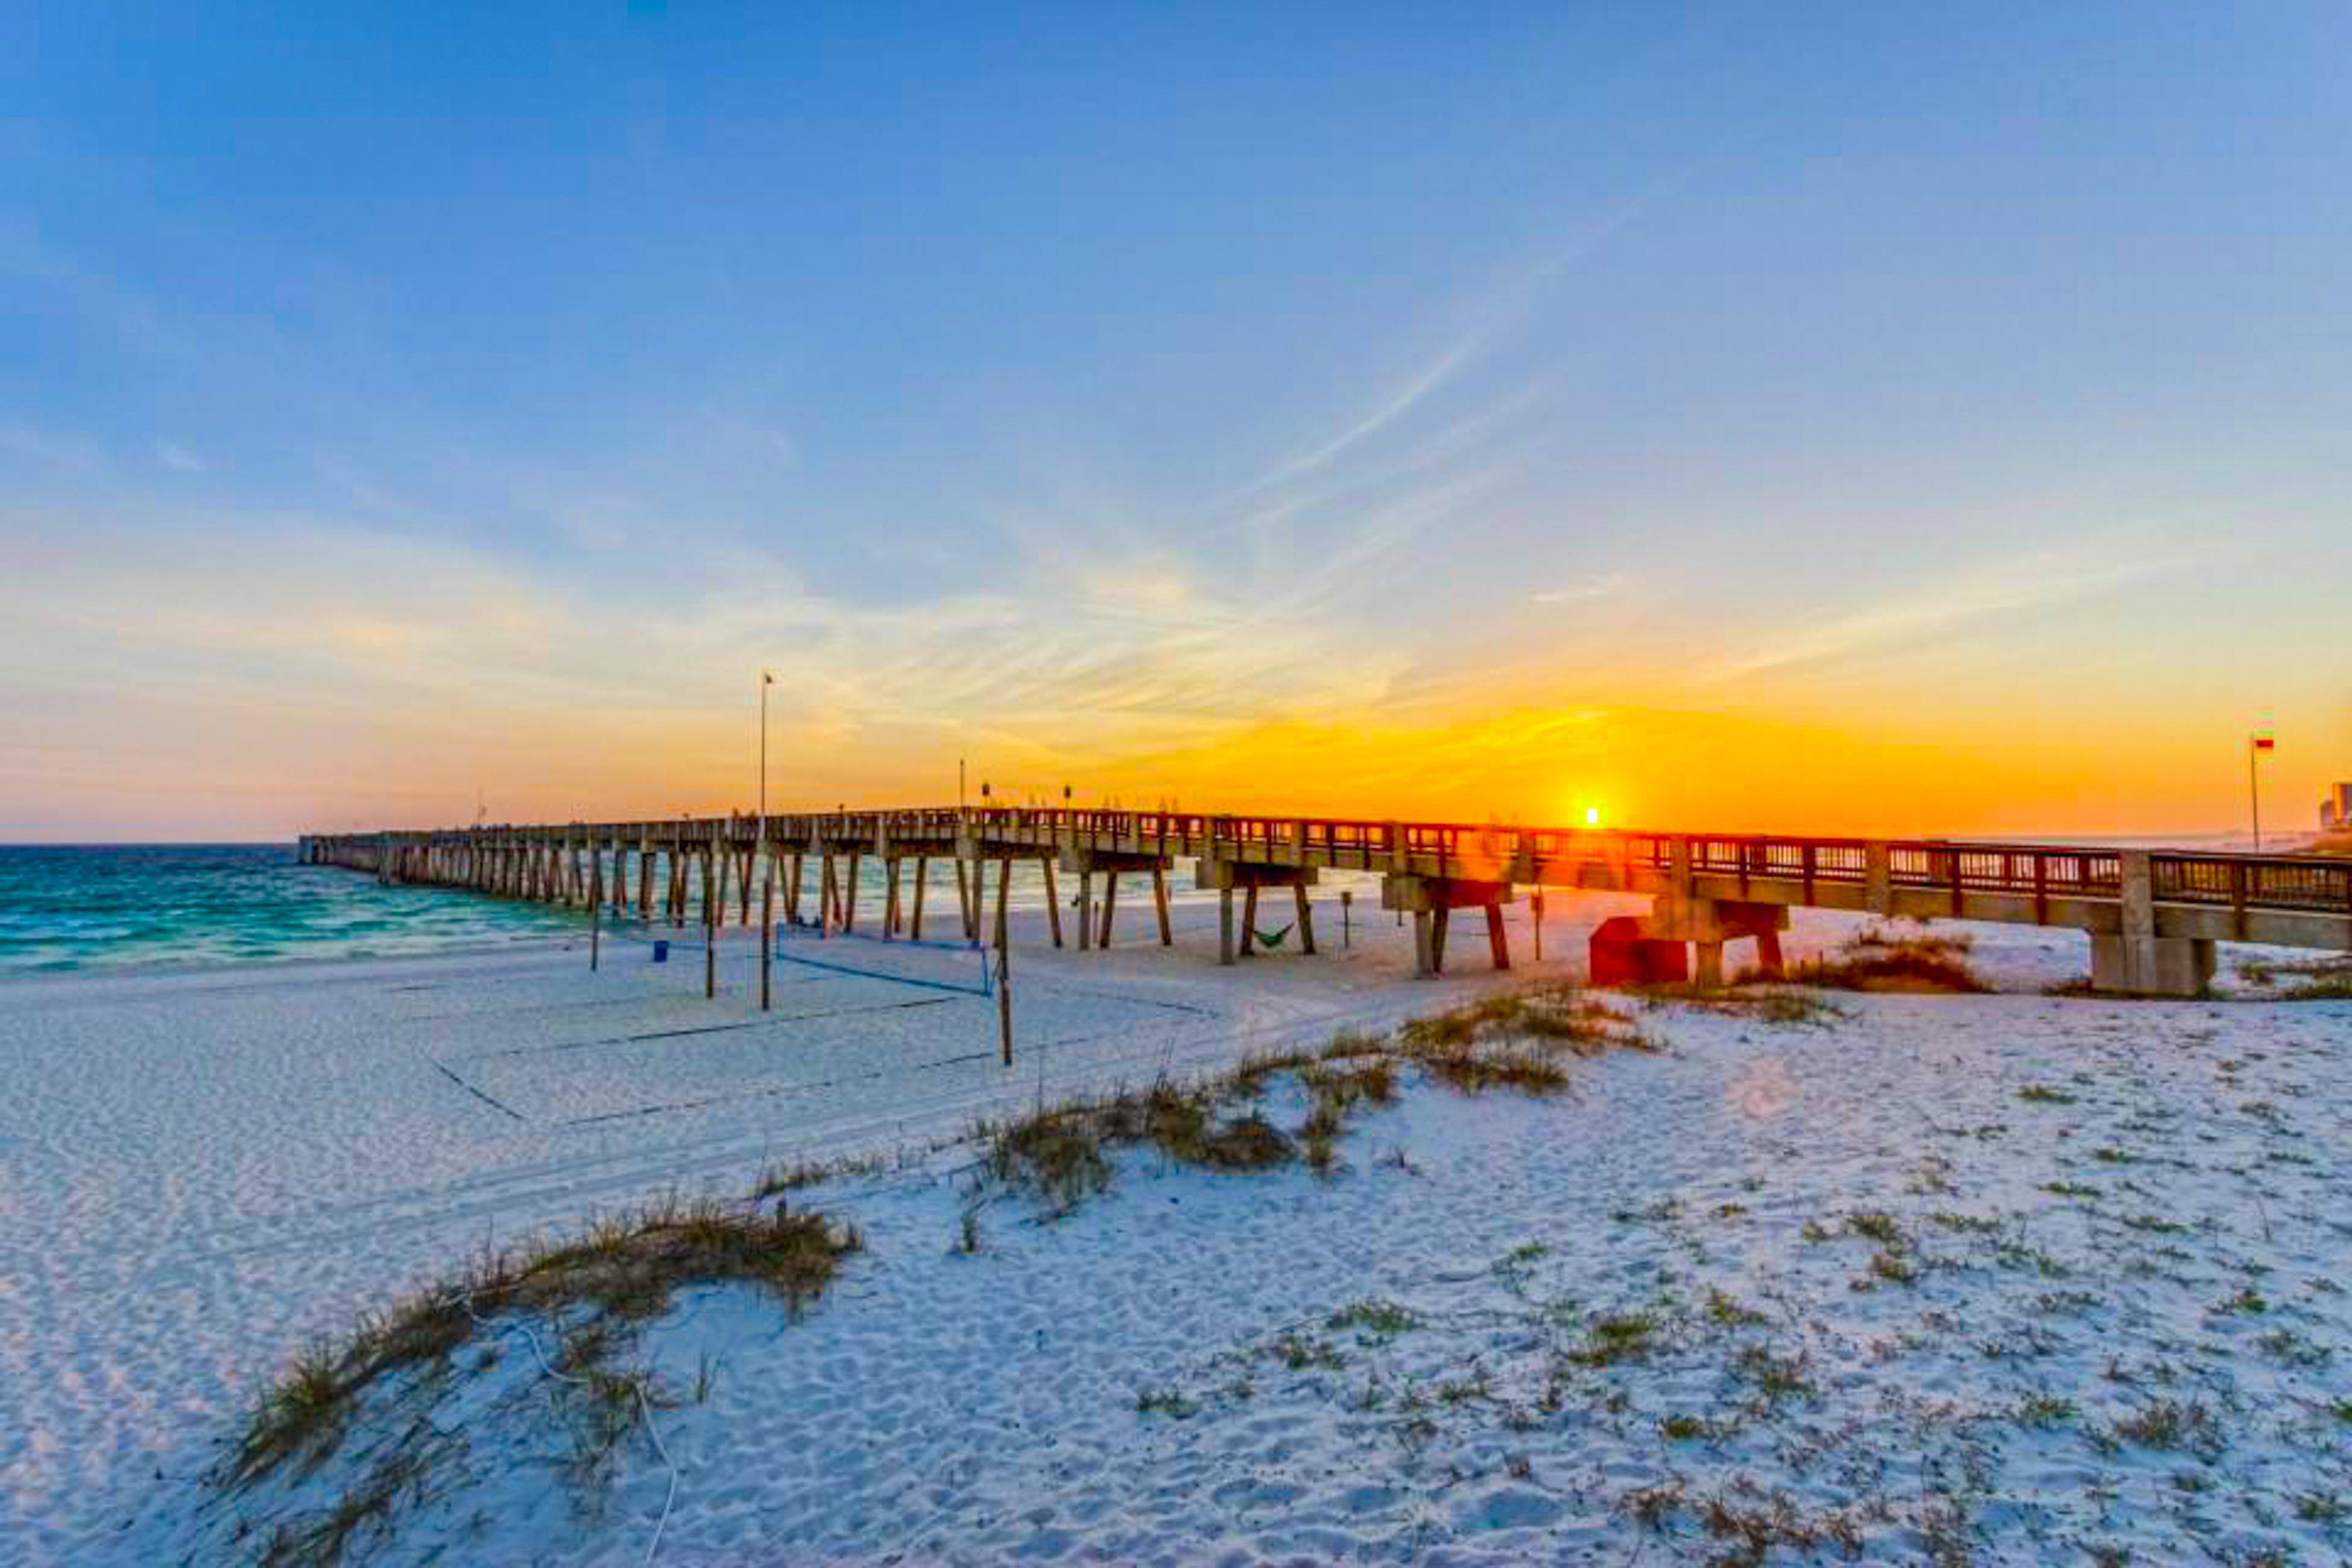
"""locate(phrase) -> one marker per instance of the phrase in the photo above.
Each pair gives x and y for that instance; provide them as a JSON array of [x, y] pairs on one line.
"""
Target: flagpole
[[2254, 786], [2258, 742]]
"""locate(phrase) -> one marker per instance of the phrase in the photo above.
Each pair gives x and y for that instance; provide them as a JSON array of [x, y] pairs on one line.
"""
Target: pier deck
[[2153, 914]]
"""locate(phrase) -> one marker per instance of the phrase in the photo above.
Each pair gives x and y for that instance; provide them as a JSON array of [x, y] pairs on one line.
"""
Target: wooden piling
[[1306, 919], [1053, 899], [922, 876], [710, 932], [1004, 964], [1160, 903], [767, 936]]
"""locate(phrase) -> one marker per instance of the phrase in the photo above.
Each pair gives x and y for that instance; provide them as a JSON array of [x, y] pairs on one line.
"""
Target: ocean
[[97, 907], [110, 906]]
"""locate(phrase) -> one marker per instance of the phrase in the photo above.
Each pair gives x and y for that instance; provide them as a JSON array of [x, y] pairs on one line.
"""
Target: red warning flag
[[2265, 743]]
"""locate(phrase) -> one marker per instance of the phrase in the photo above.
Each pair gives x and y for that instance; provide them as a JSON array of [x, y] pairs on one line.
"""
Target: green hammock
[[1269, 942]]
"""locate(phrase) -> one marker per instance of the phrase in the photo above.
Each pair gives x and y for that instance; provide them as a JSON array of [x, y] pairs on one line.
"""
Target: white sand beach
[[2090, 1210]]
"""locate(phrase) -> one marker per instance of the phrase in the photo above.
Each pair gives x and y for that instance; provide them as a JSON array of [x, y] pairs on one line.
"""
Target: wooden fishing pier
[[2153, 916]]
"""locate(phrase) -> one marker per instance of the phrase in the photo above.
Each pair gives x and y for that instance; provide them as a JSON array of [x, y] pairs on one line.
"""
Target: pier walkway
[[2153, 915]]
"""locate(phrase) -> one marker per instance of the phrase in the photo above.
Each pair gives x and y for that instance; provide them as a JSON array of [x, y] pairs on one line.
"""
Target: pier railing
[[2039, 872]]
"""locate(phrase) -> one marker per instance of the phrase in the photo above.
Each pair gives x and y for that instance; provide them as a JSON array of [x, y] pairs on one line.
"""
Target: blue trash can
[[661, 952]]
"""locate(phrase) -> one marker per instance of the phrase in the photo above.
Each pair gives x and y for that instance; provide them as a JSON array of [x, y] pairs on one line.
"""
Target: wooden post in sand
[[890, 898], [1535, 900], [766, 935], [923, 875], [1160, 902], [716, 858], [1053, 901], [1004, 965], [963, 901], [849, 895], [595, 913], [1347, 927]]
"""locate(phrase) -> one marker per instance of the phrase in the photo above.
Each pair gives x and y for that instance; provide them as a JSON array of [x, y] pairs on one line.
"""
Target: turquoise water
[[72, 907], [114, 906]]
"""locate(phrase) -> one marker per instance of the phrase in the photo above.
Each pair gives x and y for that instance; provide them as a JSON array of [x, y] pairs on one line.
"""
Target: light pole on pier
[[766, 680]]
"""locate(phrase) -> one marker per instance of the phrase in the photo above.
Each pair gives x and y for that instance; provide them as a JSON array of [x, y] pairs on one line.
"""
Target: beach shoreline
[[209, 1167]]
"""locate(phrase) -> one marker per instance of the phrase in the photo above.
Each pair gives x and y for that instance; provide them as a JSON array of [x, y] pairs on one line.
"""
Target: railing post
[[1878, 876]]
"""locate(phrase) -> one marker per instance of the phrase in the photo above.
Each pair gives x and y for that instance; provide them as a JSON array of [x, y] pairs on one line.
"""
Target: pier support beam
[[2151, 965], [1246, 877], [1431, 901], [1085, 861], [2135, 960], [1630, 951]]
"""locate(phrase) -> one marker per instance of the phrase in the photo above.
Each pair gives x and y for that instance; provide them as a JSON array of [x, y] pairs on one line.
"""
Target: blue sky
[[421, 402]]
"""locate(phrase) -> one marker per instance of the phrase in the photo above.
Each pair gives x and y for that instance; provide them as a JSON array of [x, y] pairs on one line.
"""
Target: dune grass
[[589, 1292], [1756, 995], [1521, 1040], [2327, 979], [1886, 958]]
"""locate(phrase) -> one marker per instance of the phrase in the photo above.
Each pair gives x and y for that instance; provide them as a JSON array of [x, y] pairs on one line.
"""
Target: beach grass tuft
[[1887, 958], [1522, 1040], [591, 1290]]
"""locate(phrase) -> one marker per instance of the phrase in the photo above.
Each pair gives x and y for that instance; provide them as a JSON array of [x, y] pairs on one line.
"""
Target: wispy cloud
[[1606, 585], [2023, 583], [1400, 402], [68, 449], [131, 316]]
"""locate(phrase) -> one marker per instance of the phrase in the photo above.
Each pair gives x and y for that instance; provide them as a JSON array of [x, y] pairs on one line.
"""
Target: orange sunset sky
[[1715, 419]]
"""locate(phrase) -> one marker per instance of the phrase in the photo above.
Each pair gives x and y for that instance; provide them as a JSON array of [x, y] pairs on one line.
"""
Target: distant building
[[2335, 809]]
